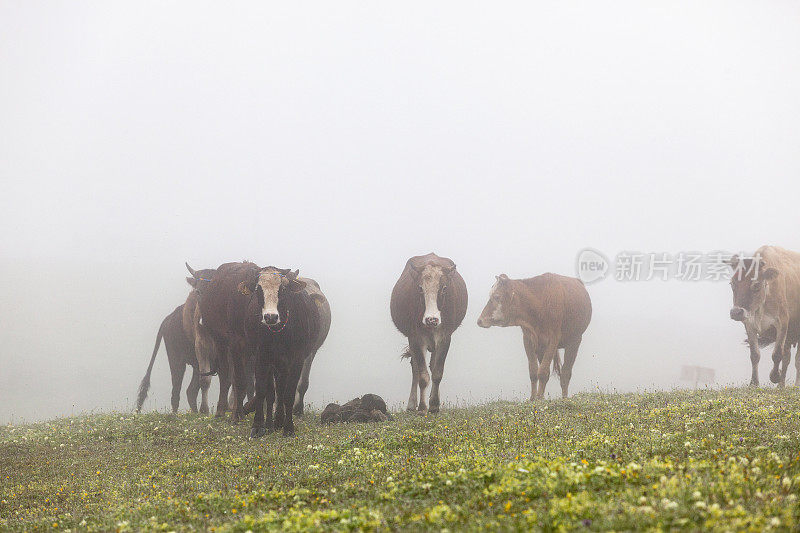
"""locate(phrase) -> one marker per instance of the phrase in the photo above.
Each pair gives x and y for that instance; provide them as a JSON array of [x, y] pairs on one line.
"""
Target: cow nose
[[271, 318], [481, 323], [737, 313], [431, 321]]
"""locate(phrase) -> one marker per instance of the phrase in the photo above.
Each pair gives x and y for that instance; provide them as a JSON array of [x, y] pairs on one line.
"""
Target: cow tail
[[406, 353], [557, 364], [144, 386]]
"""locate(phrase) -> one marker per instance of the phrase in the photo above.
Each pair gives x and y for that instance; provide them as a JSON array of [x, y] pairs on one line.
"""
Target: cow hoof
[[298, 411], [411, 409], [433, 409], [288, 433], [257, 433]]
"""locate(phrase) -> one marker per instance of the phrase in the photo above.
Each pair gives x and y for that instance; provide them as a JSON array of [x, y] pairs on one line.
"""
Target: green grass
[[726, 460]]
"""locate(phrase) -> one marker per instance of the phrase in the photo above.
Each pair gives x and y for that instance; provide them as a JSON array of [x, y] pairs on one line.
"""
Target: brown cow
[[188, 344], [553, 312], [428, 303], [315, 294], [766, 298]]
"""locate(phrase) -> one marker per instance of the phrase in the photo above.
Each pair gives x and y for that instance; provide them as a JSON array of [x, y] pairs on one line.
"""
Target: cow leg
[[269, 398], [797, 366], [205, 383], [779, 356], [438, 358], [177, 369], [206, 349], [412, 397], [280, 385], [755, 354], [289, 388], [533, 362], [238, 381], [302, 385], [423, 377], [193, 389], [262, 376], [550, 351], [224, 385], [570, 354]]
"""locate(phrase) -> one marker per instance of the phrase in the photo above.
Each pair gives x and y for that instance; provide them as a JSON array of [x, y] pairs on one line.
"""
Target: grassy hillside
[[726, 460]]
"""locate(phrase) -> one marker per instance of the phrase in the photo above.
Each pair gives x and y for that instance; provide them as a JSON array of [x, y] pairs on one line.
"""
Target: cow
[[266, 312], [428, 304], [188, 344], [553, 312], [223, 310], [766, 299], [293, 323], [314, 293]]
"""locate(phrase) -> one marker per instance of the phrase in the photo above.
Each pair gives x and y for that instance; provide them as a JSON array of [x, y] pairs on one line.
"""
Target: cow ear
[[769, 274], [191, 281], [502, 277]]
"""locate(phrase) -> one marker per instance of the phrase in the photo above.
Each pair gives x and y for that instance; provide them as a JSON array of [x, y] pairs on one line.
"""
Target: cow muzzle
[[483, 323], [738, 314], [271, 319], [432, 321]]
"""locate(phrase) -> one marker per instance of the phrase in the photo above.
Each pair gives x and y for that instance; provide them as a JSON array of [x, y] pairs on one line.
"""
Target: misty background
[[342, 138]]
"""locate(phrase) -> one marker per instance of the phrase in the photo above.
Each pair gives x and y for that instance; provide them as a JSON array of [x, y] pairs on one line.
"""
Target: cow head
[[269, 284], [496, 312], [750, 283], [432, 282], [200, 278]]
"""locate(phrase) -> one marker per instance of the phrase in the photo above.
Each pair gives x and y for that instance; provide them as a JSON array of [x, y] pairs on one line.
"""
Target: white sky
[[341, 138]]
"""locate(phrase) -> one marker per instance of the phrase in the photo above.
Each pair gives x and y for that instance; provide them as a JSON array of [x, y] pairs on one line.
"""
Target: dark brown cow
[[265, 311], [553, 312], [428, 303], [766, 299], [223, 310], [188, 344]]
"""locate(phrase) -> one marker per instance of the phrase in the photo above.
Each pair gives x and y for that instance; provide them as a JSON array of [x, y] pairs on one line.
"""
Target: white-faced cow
[[766, 299], [293, 322], [428, 303], [553, 312], [188, 344]]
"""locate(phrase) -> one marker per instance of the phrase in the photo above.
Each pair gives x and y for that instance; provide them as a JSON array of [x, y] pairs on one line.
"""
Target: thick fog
[[342, 138]]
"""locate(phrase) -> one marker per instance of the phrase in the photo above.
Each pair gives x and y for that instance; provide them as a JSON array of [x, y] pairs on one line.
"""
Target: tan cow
[[766, 299], [553, 312]]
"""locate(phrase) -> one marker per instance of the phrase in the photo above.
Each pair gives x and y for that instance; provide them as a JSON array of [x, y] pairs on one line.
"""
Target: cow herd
[[259, 329]]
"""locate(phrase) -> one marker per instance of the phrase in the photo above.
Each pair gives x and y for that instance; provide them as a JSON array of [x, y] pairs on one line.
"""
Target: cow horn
[[191, 270]]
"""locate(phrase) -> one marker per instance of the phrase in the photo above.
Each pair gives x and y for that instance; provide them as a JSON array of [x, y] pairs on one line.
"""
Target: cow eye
[[755, 286]]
